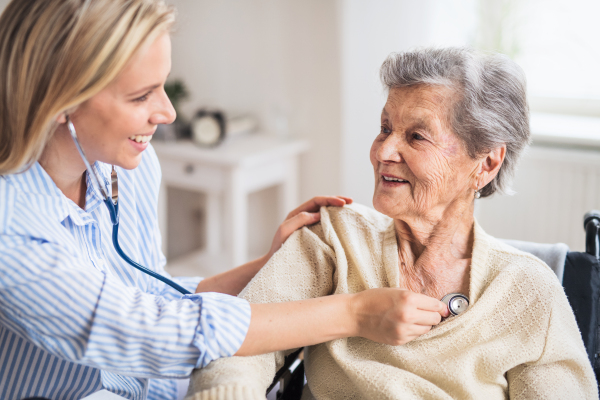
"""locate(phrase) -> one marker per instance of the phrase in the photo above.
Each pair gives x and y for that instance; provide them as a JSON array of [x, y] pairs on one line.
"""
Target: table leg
[[288, 190], [213, 223], [237, 216]]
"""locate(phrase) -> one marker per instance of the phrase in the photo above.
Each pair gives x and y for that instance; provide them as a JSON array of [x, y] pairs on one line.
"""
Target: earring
[[477, 192]]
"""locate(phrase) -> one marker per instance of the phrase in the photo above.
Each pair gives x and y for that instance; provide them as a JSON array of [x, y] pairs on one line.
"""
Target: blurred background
[[306, 73]]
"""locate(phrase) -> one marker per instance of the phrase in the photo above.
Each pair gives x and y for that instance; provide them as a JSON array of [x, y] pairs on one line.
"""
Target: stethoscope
[[112, 203], [457, 303]]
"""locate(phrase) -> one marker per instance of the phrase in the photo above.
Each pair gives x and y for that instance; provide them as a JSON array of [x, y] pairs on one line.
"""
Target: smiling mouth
[[392, 179], [141, 138]]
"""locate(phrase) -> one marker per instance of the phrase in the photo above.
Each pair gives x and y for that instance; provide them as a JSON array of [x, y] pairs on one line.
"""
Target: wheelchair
[[580, 275]]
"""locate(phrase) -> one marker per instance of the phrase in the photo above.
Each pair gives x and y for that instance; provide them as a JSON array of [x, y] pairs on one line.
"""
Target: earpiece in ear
[[62, 118]]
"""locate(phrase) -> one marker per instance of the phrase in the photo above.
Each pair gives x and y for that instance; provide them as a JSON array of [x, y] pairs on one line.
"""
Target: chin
[[390, 206], [129, 163], [383, 204]]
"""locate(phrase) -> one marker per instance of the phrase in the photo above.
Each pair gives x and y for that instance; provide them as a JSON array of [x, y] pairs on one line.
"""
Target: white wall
[[278, 60]]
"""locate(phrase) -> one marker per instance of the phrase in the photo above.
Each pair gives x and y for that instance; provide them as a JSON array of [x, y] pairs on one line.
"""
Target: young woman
[[74, 316]]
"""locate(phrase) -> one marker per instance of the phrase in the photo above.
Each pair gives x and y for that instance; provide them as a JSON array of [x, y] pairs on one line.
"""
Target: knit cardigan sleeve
[[560, 372], [303, 268]]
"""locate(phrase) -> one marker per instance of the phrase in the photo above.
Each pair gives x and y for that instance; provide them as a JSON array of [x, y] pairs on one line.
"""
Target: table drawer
[[190, 175]]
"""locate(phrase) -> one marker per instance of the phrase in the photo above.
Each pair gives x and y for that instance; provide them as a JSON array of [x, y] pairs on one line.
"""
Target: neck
[[450, 231], [435, 253], [60, 159]]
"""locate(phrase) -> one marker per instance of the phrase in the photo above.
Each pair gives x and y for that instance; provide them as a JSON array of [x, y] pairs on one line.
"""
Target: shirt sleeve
[[74, 311], [303, 268], [563, 370]]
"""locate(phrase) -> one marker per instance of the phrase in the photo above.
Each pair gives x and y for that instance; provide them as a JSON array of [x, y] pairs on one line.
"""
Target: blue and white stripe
[[75, 318]]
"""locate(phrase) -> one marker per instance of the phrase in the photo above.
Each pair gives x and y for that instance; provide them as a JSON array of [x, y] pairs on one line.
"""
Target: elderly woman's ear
[[489, 166]]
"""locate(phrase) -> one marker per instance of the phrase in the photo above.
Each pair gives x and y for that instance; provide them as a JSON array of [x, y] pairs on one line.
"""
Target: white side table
[[227, 174]]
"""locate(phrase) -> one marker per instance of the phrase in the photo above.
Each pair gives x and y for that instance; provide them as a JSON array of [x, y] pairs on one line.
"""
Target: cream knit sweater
[[517, 340]]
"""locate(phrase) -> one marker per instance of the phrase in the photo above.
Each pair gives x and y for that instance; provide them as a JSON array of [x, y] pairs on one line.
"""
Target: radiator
[[554, 188]]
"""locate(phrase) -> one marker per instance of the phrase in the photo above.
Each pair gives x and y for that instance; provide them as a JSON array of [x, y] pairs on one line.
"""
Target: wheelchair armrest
[[285, 373]]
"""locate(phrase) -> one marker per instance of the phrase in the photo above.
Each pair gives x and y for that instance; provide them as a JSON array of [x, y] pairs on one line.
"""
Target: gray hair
[[491, 109]]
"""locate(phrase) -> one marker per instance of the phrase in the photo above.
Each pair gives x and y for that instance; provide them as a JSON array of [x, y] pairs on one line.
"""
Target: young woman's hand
[[306, 214], [387, 315], [395, 316]]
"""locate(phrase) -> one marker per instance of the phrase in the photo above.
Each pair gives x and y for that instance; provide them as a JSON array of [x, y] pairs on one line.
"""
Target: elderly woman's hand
[[396, 316], [307, 214]]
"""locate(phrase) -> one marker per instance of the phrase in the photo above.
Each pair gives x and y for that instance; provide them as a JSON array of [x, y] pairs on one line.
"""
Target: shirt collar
[[93, 197], [38, 184]]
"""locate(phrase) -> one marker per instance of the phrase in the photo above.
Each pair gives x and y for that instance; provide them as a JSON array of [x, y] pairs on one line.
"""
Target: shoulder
[[29, 220], [29, 214], [357, 215], [517, 285], [352, 224], [8, 200], [524, 269]]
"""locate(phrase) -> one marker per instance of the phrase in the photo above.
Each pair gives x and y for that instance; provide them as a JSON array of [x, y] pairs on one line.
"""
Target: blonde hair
[[56, 54]]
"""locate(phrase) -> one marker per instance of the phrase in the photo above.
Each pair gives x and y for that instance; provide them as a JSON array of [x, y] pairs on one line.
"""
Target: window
[[557, 42]]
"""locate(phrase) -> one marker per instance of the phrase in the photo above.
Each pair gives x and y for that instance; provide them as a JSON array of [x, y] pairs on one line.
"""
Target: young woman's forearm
[[281, 326], [386, 315], [233, 281]]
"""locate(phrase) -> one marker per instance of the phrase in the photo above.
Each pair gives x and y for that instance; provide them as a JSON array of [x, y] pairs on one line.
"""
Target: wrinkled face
[[115, 125], [420, 165]]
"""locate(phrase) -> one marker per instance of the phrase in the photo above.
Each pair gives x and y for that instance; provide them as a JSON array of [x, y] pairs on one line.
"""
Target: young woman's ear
[[491, 165], [61, 118]]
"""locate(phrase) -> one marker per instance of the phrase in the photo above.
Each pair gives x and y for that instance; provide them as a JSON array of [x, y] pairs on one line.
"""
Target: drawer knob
[[189, 168]]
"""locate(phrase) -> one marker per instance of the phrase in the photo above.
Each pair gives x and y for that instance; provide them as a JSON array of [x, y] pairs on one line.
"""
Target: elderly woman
[[452, 130]]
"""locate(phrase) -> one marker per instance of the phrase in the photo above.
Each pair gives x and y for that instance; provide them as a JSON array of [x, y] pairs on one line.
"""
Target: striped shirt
[[75, 318]]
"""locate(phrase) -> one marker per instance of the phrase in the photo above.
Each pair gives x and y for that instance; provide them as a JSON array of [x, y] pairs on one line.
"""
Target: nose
[[390, 150], [164, 112]]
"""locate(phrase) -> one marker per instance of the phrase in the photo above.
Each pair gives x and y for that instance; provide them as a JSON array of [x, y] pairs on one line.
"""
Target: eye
[[385, 130], [143, 98], [416, 136]]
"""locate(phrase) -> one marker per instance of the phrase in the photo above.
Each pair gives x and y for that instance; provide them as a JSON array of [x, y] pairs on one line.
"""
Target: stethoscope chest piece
[[457, 303]]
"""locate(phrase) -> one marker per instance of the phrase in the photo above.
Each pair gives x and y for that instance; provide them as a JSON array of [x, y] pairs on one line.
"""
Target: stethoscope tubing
[[113, 209]]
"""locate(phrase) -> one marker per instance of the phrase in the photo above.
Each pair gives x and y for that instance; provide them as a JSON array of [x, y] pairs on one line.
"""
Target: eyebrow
[[420, 123], [417, 123], [148, 88], [145, 89]]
